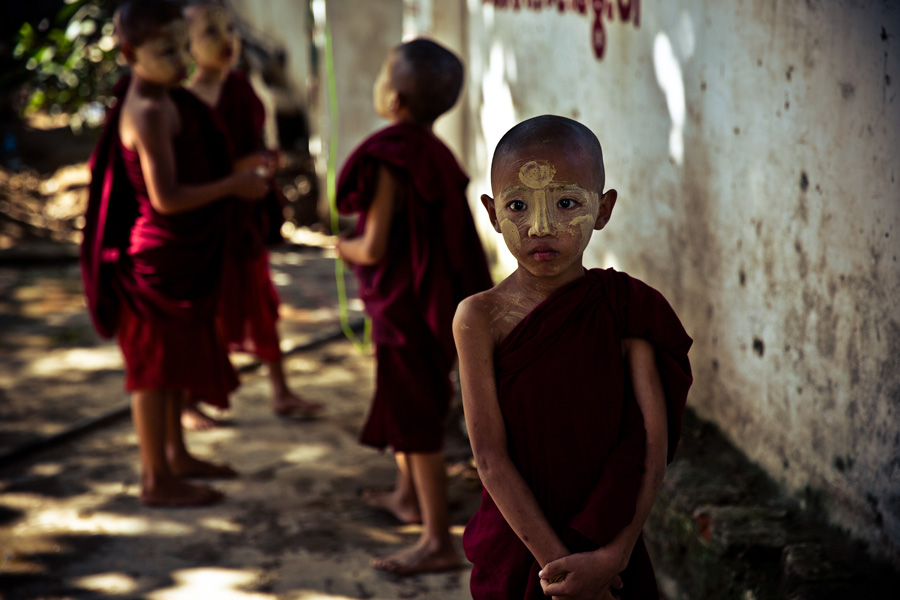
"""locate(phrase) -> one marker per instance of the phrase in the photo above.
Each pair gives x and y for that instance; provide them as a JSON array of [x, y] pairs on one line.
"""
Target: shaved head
[[552, 134], [138, 20], [427, 78]]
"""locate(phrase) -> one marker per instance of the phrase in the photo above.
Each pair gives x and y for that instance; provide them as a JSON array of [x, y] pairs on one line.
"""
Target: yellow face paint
[[541, 207]]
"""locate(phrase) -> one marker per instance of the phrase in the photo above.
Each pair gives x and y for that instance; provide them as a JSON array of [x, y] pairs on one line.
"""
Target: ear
[[395, 103], [607, 203], [488, 203], [128, 52]]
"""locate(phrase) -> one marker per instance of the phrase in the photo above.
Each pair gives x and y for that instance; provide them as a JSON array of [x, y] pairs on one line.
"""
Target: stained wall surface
[[755, 149], [756, 154]]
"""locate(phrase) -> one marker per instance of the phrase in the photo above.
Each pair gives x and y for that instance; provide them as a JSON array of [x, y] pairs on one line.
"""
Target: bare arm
[[640, 359], [487, 433], [371, 246], [154, 128]]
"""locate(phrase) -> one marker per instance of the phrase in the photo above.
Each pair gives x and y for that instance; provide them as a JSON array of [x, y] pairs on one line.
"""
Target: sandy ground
[[292, 525]]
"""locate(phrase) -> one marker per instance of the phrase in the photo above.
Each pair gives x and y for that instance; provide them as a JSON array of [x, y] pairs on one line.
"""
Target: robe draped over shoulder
[[249, 308], [434, 260], [574, 429], [151, 279]]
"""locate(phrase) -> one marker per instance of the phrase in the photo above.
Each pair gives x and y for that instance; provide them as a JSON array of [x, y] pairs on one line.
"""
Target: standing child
[[248, 312], [153, 245], [570, 416], [416, 254]]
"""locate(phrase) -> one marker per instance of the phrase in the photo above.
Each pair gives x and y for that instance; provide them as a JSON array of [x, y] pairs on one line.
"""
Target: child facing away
[[154, 238], [248, 312], [416, 254], [573, 385]]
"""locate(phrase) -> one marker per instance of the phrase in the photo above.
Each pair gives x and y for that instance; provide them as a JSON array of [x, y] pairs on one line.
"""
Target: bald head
[[552, 135], [427, 78], [138, 20]]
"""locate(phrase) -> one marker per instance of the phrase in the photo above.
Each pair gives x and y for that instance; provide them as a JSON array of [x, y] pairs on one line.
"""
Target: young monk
[[416, 254], [570, 416], [249, 309], [153, 246]]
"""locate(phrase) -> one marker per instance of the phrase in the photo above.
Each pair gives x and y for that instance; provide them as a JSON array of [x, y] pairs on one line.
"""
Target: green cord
[[361, 345]]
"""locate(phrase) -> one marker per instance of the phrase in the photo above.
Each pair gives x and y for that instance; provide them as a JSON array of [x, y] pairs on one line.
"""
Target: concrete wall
[[755, 149]]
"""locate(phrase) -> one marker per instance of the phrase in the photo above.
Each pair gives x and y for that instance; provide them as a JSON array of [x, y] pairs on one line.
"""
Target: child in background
[[416, 254], [248, 312], [154, 238], [573, 385]]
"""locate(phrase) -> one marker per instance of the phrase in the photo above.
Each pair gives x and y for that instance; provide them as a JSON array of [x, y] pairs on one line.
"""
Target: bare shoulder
[[494, 312], [144, 119], [474, 313]]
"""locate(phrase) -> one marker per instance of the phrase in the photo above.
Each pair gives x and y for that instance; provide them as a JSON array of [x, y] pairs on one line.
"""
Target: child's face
[[215, 42], [384, 96], [163, 59], [546, 205]]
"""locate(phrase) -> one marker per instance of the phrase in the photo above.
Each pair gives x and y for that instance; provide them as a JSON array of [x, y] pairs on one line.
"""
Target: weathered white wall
[[755, 149]]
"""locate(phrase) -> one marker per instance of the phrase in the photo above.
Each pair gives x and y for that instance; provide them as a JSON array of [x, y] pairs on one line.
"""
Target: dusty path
[[291, 527]]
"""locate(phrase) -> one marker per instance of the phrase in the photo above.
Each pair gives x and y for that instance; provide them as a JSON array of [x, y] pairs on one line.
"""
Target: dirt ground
[[292, 525]]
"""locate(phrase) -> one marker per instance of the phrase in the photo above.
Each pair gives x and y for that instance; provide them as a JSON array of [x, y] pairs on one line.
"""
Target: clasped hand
[[587, 576]]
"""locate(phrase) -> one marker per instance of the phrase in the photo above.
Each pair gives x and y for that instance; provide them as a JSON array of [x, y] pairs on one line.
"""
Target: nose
[[540, 222]]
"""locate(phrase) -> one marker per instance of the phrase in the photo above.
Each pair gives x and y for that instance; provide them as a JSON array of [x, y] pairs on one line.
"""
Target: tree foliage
[[68, 64]]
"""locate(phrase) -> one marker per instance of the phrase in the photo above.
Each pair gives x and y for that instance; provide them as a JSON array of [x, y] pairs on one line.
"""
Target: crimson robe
[[434, 260], [574, 429], [249, 309], [152, 280]]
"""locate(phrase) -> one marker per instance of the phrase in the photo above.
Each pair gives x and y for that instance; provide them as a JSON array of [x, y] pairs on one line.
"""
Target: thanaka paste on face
[[155, 58], [207, 46], [538, 176]]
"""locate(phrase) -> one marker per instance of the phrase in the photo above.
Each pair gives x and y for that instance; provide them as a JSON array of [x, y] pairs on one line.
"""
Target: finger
[[617, 583]]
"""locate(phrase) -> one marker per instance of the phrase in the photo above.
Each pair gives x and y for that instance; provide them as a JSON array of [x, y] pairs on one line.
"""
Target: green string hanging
[[361, 345]]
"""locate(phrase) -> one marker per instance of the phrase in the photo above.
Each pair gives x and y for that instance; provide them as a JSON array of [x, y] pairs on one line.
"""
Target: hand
[[585, 575], [247, 185], [258, 162]]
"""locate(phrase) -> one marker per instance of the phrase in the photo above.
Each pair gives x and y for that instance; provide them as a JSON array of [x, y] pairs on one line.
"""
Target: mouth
[[227, 52], [543, 253]]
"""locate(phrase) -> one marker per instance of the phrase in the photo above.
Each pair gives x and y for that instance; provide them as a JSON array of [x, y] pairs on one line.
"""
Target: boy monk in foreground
[[154, 239], [416, 254], [570, 416], [248, 312]]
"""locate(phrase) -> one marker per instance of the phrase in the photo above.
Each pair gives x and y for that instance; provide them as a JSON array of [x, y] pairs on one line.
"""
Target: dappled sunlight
[[108, 583], [77, 359], [671, 82], [78, 520], [218, 583], [307, 453]]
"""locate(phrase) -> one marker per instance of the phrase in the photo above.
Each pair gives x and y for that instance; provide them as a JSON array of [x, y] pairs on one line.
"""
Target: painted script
[[628, 10]]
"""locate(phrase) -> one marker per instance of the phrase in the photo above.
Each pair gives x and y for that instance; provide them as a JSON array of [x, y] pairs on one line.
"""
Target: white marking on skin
[[510, 234], [536, 175]]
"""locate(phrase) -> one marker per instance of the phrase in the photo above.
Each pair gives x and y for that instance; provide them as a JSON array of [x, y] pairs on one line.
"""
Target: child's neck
[[207, 82], [149, 89], [546, 286]]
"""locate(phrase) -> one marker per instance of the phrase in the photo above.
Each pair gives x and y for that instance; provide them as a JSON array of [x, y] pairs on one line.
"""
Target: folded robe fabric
[[249, 308], [574, 429], [153, 280], [434, 260]]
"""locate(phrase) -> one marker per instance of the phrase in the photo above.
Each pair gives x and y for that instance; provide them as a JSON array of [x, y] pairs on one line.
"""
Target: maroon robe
[[574, 429], [150, 279], [249, 308], [434, 260]]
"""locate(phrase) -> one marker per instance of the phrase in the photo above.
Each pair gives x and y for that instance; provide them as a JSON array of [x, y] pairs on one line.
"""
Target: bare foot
[[288, 404], [389, 501], [424, 557], [190, 467], [194, 419], [175, 493]]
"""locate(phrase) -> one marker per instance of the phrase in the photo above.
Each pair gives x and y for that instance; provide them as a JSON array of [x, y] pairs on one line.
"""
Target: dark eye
[[516, 205], [567, 203]]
